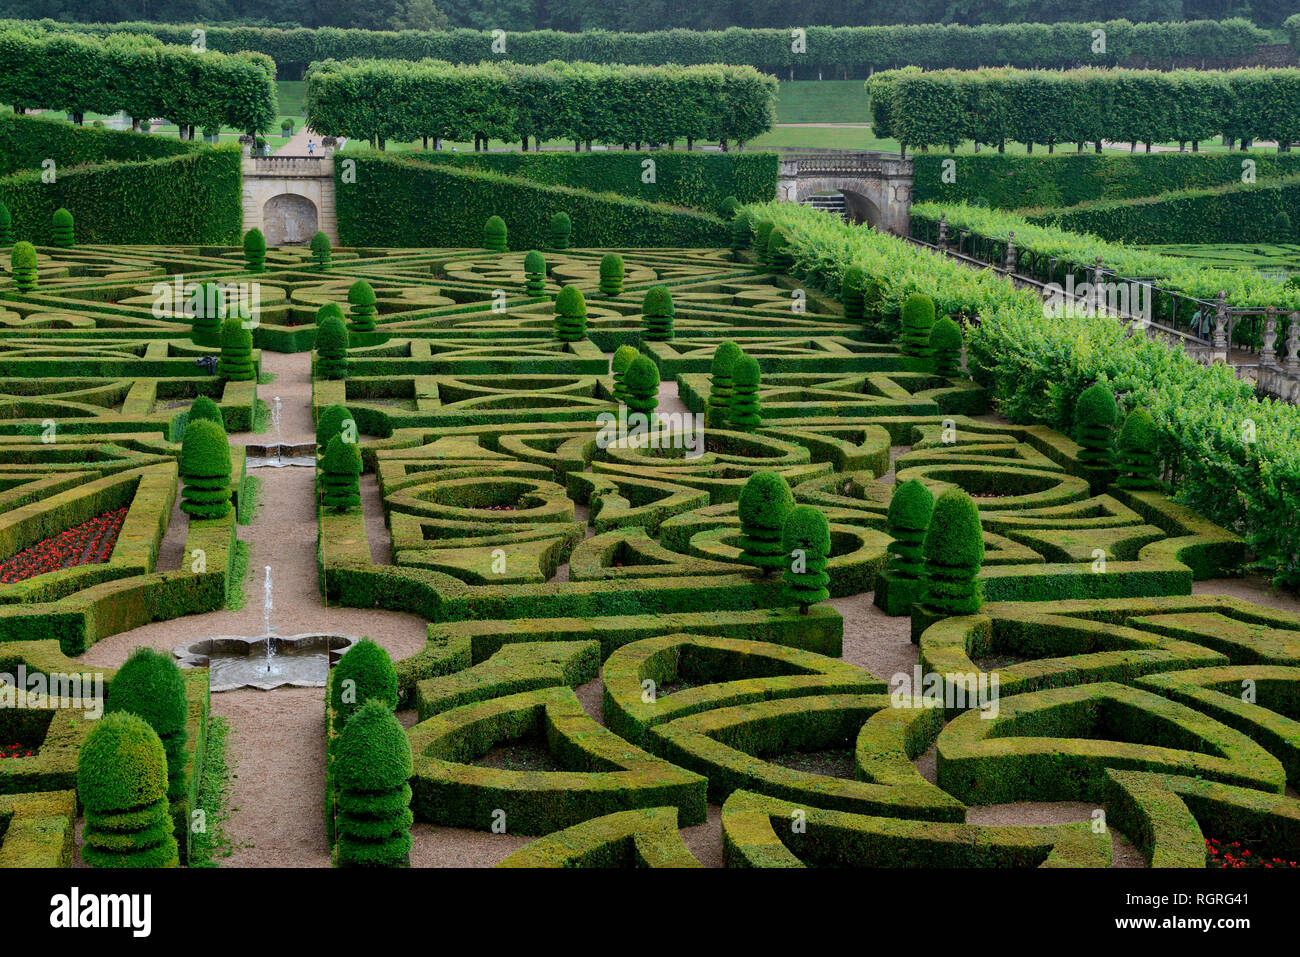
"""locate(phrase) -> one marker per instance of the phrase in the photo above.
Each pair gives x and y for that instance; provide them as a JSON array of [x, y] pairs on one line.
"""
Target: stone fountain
[[277, 454]]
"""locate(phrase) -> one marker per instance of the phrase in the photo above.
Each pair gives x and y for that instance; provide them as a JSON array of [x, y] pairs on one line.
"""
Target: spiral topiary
[[361, 300], [341, 475], [762, 232], [254, 250], [364, 673], [122, 784], [720, 382], [371, 767], [657, 315], [535, 273], [6, 226], [331, 343], [945, 346], [910, 509], [61, 229], [23, 268], [742, 234], [744, 412], [560, 231], [1095, 415], [1135, 452], [331, 424], [806, 538], [495, 234], [917, 321], [570, 315], [204, 409], [320, 249], [611, 275], [149, 685], [765, 501], [209, 309], [624, 356], [205, 470], [779, 258], [236, 361], [851, 285], [953, 552], [641, 382]]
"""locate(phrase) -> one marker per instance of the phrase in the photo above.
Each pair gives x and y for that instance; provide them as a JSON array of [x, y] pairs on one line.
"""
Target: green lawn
[[1261, 257], [822, 101]]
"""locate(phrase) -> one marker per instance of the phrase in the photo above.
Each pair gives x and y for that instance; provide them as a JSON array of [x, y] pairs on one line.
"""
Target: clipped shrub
[[1095, 415], [149, 685], [205, 470], [728, 207], [806, 538], [320, 249], [22, 262], [236, 361], [911, 508], [1135, 452], [331, 423], [742, 234], [255, 250], [744, 412], [611, 275], [778, 256], [1282, 226], [61, 230], [851, 286], [945, 346], [535, 273], [209, 312], [953, 552], [657, 315], [560, 230], [365, 672], [331, 343], [495, 234], [917, 322], [205, 409], [6, 226], [765, 501], [362, 309], [372, 765], [720, 383], [623, 357], [570, 315], [762, 232], [641, 381], [122, 784], [341, 475]]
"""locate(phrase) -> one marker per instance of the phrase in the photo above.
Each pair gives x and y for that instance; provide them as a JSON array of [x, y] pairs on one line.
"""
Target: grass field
[[1275, 258], [824, 101]]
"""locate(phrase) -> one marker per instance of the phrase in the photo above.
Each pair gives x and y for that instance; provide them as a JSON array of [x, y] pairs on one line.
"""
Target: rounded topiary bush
[[1095, 415], [61, 229], [917, 322], [1135, 452], [23, 266], [765, 501], [254, 250], [744, 413], [535, 273], [209, 308], [910, 509], [371, 768], [728, 207], [6, 226], [624, 356], [953, 553], [495, 234], [851, 286], [122, 784], [332, 423], [806, 538], [779, 258], [611, 275], [149, 685], [1282, 226], [641, 381], [657, 315], [570, 315], [720, 382], [320, 249], [560, 231], [205, 470], [945, 346], [362, 308], [341, 475], [742, 234], [204, 409], [236, 361], [364, 672], [762, 232], [331, 344]]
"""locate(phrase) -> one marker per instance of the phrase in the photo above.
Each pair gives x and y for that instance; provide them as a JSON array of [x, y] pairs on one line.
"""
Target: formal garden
[[550, 515]]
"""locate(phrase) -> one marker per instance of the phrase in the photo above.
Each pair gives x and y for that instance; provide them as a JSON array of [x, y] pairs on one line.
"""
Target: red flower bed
[[1236, 855], [89, 543], [15, 751]]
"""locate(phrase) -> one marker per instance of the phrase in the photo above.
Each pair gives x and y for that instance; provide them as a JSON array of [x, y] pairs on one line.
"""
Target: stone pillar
[[1010, 262], [1098, 277], [1267, 355], [1220, 341], [1292, 364], [942, 242]]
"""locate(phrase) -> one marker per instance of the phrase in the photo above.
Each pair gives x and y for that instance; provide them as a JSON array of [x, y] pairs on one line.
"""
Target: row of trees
[[829, 50], [948, 107], [139, 75], [381, 100]]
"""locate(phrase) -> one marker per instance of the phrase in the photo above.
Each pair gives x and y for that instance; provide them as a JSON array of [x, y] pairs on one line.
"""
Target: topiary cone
[[494, 234], [720, 383], [851, 288], [560, 231], [641, 382], [209, 312], [611, 275], [23, 267], [320, 250], [204, 468], [6, 226], [254, 251], [657, 315], [341, 475], [806, 539], [535, 273], [764, 503], [1135, 452], [570, 315], [1095, 415], [236, 361], [744, 412], [149, 685], [742, 234], [953, 553], [361, 299], [779, 258], [762, 232], [331, 343], [623, 357], [917, 321], [899, 586], [945, 346], [61, 229], [204, 408], [365, 672], [332, 422], [371, 767]]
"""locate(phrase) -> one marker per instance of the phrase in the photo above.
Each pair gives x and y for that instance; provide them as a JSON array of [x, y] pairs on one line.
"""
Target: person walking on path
[[311, 147]]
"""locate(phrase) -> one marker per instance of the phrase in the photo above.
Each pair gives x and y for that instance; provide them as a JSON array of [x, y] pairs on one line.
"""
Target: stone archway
[[289, 220]]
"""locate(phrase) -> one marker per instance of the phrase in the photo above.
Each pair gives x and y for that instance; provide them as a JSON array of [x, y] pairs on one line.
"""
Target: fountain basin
[[298, 661], [279, 455]]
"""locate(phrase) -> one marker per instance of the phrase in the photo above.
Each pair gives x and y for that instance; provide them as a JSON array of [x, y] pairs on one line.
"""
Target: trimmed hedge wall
[[391, 201], [25, 141]]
